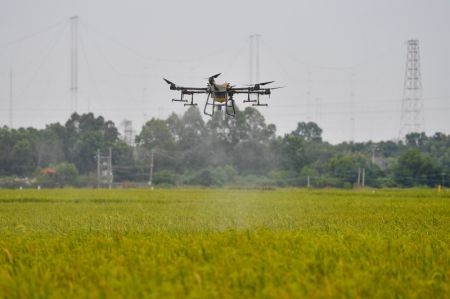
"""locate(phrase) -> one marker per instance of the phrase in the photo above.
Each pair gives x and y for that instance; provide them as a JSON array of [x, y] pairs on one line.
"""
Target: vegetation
[[244, 150], [287, 243]]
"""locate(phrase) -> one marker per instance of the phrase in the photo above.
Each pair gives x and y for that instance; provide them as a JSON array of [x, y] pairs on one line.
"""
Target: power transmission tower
[[128, 131], [104, 170], [412, 117], [373, 149], [254, 41], [74, 64]]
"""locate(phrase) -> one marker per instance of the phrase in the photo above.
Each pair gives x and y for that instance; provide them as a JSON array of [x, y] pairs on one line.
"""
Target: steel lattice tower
[[105, 175], [412, 116], [127, 131]]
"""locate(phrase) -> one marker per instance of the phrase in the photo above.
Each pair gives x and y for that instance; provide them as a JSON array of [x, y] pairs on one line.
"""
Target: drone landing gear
[[229, 106], [189, 103], [248, 99], [208, 104], [258, 103]]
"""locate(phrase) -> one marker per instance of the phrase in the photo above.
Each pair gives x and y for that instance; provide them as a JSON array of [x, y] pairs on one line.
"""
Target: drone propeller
[[264, 83], [168, 82], [213, 77], [258, 85]]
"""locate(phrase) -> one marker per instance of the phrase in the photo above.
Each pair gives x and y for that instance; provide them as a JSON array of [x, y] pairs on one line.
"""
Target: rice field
[[224, 243]]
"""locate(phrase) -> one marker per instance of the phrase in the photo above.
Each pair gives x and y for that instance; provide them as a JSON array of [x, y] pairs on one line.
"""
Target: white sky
[[332, 49]]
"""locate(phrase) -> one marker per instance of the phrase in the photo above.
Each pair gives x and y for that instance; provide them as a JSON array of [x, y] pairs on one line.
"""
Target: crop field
[[205, 243]]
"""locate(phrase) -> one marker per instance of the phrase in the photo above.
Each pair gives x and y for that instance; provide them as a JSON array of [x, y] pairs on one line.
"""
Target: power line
[[308, 64], [235, 57], [32, 35], [146, 58], [341, 102], [105, 57], [92, 79], [340, 112], [43, 61]]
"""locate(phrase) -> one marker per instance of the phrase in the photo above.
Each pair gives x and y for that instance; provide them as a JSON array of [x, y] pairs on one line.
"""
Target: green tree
[[344, 168], [310, 131], [85, 134], [192, 145], [416, 139], [415, 169], [124, 165], [251, 138], [66, 174], [49, 146], [21, 158], [156, 134], [293, 151]]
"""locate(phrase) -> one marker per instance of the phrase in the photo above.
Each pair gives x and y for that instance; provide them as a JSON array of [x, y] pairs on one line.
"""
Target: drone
[[221, 95]]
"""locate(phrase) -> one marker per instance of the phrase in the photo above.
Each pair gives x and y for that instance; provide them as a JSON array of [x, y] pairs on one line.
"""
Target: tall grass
[[194, 243]]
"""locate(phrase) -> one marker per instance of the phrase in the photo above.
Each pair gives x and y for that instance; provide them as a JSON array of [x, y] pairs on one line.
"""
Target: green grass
[[196, 243]]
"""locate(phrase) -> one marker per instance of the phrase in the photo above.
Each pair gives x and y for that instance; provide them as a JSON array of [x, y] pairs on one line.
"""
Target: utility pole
[[98, 169], [110, 172], [150, 182], [412, 115], [373, 148], [359, 177], [74, 64], [10, 98], [363, 177], [308, 183]]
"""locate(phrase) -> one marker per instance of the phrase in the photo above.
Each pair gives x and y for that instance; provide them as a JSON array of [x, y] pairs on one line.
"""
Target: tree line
[[240, 151]]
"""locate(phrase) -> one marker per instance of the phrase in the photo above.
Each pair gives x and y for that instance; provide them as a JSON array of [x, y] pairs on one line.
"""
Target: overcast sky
[[342, 62]]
